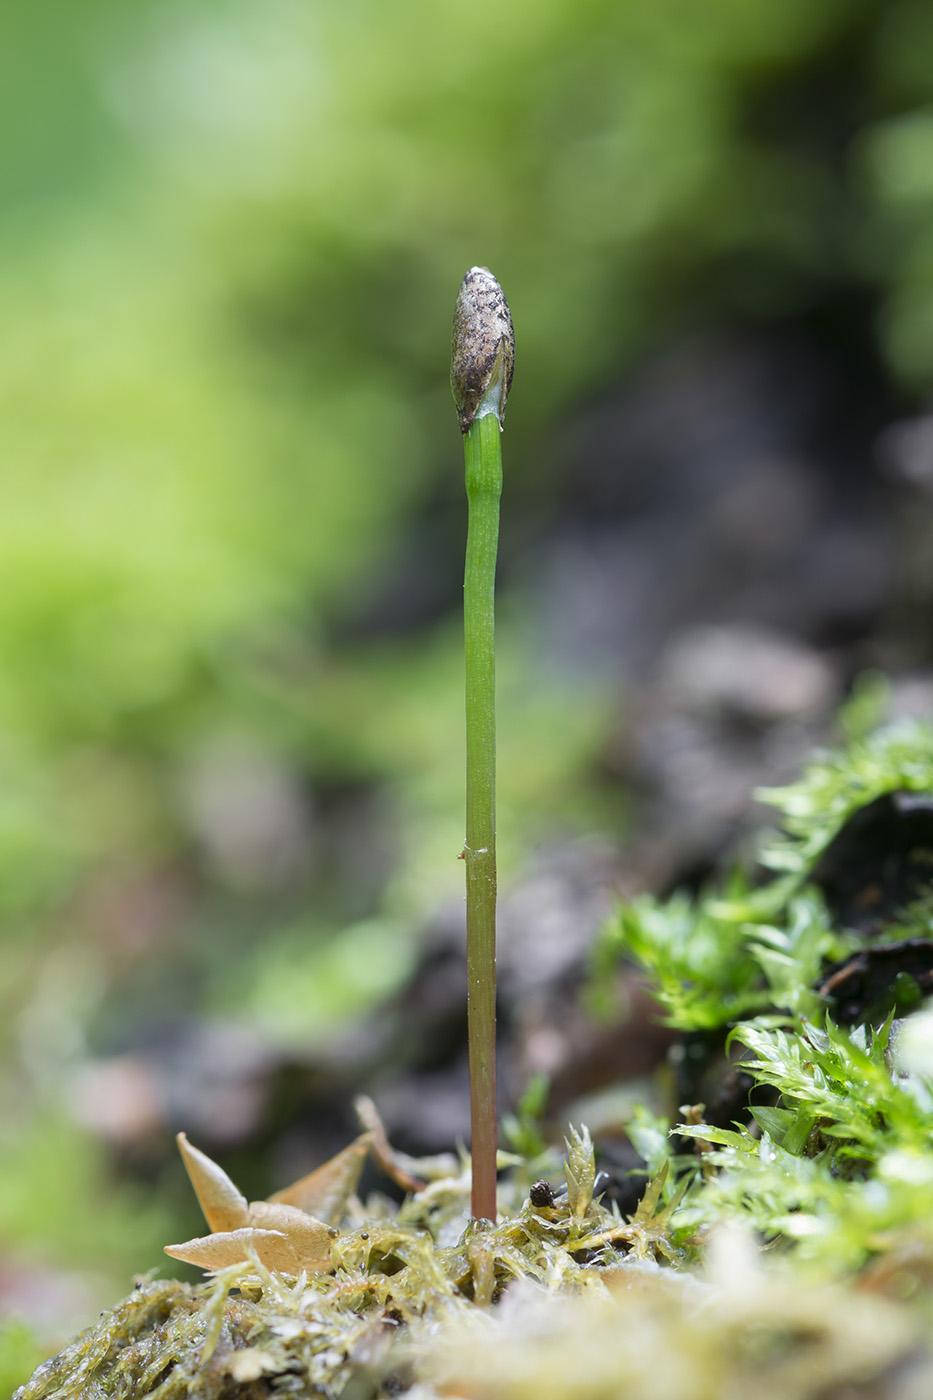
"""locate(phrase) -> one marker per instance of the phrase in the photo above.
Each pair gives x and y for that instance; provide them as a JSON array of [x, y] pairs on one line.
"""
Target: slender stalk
[[481, 373], [483, 460]]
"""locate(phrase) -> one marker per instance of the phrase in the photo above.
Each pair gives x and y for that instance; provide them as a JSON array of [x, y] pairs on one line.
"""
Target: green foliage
[[835, 1161], [651, 1137], [835, 1221], [523, 1128], [56, 1190], [841, 1084], [724, 956], [19, 1354], [836, 784], [313, 982], [845, 1158], [715, 959], [689, 956]]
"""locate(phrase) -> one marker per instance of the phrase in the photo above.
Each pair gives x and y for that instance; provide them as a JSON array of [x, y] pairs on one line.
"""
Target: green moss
[[834, 1165], [737, 950], [399, 1275]]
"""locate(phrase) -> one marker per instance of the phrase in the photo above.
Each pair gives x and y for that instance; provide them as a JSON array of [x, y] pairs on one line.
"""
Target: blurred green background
[[231, 235]]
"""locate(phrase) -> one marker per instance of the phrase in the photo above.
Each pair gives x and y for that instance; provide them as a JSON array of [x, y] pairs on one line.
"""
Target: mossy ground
[[405, 1315], [401, 1278], [784, 1251]]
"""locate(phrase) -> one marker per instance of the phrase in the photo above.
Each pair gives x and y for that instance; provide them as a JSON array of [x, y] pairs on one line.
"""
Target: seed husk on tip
[[483, 349]]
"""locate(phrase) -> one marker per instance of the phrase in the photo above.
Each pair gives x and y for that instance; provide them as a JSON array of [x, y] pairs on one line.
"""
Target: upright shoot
[[482, 359]]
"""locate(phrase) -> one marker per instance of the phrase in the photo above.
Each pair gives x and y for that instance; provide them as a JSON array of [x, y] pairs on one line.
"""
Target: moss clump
[[808, 1209], [398, 1277], [747, 1330], [404, 1315]]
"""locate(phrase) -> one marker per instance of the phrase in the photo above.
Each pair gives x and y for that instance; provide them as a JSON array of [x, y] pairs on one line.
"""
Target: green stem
[[482, 357], [483, 458]]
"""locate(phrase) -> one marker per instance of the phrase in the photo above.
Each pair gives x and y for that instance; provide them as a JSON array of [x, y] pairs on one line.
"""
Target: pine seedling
[[482, 359]]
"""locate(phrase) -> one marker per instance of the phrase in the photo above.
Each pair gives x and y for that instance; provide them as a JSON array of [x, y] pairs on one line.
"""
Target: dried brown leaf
[[227, 1247], [302, 1245], [224, 1207], [309, 1238], [324, 1192], [395, 1164], [283, 1236]]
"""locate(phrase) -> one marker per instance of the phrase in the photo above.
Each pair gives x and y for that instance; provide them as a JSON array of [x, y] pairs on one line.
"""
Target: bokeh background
[[231, 528]]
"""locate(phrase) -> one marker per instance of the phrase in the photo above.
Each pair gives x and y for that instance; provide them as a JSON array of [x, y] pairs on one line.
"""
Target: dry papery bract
[[291, 1232]]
